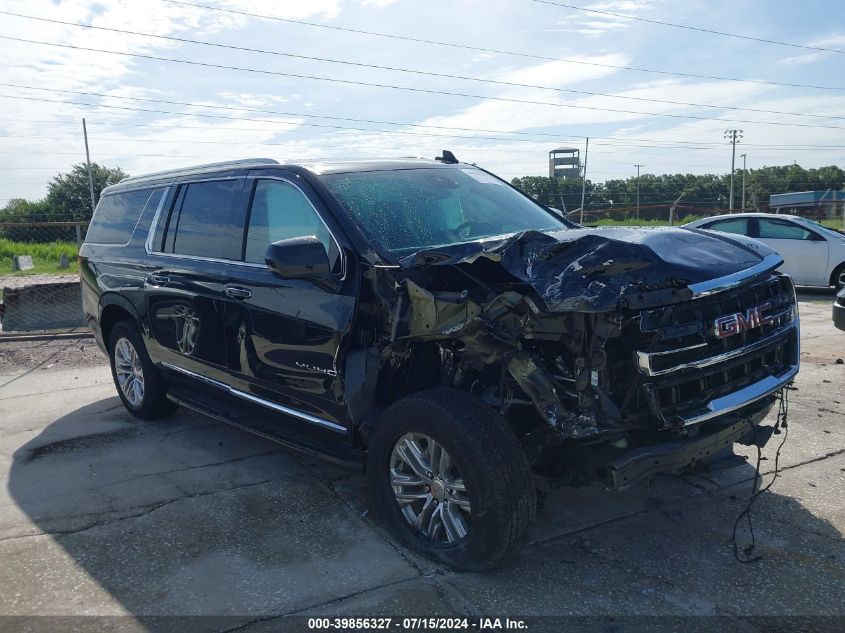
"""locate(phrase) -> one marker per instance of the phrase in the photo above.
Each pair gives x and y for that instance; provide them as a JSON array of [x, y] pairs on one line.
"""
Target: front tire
[[448, 477], [138, 383], [838, 274]]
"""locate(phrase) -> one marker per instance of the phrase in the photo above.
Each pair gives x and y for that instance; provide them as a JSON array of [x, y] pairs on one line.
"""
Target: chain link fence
[[39, 276]]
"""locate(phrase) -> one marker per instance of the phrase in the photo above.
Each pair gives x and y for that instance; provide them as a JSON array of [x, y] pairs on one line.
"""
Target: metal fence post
[[78, 228]]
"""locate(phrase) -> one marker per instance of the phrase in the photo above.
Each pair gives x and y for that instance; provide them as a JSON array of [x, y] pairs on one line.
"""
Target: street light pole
[[732, 136], [638, 189], [743, 157]]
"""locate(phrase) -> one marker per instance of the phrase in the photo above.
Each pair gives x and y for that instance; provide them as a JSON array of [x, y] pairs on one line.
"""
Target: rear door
[[184, 290], [804, 251], [286, 338]]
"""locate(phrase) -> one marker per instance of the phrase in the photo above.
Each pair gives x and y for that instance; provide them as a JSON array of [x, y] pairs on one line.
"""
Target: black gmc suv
[[432, 322]]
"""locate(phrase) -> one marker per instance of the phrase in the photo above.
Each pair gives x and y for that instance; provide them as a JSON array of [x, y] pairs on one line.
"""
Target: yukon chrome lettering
[[321, 370]]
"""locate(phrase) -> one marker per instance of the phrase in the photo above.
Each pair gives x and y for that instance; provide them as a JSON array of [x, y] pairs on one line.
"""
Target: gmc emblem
[[738, 322]]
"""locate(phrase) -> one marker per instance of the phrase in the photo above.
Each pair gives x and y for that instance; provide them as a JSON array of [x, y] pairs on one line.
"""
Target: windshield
[[408, 210]]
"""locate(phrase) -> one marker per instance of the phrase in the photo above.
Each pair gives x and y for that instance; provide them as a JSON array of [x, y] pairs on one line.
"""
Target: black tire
[[492, 464], [837, 277], [153, 403]]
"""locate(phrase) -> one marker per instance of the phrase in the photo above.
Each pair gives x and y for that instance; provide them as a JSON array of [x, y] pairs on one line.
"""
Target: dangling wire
[[748, 555]]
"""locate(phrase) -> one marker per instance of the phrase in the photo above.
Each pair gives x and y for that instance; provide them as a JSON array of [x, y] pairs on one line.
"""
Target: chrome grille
[[691, 374]]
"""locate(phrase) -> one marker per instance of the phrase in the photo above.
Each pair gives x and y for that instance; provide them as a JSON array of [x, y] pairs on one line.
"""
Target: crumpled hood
[[597, 270]]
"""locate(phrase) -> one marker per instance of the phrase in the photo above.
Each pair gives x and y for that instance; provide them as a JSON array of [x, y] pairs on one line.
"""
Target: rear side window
[[199, 223], [116, 217], [737, 225]]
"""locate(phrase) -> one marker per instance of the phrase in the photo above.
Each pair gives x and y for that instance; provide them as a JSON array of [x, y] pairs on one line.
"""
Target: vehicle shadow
[[191, 518]]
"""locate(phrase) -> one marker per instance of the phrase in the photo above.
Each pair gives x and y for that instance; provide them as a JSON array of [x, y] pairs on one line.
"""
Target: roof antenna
[[448, 158]]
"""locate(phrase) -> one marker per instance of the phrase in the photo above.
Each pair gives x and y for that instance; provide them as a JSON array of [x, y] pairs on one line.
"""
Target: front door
[[803, 250], [286, 338]]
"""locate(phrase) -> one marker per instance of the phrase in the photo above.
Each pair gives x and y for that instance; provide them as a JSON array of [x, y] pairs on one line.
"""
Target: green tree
[[563, 194], [68, 194]]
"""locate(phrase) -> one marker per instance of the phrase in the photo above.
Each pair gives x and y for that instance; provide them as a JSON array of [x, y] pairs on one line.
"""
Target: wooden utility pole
[[733, 136], [88, 162]]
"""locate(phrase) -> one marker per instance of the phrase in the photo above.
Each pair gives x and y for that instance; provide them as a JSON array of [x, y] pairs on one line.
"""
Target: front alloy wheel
[[429, 489], [129, 372]]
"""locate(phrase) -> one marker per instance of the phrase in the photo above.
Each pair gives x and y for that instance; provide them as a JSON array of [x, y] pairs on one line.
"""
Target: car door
[[804, 251], [188, 250], [285, 338]]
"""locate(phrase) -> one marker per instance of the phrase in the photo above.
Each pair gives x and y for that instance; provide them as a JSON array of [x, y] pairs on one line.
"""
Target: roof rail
[[242, 162]]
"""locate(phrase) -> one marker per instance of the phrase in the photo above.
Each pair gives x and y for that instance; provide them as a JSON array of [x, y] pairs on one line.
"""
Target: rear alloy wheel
[[130, 374], [429, 489], [449, 478], [138, 382]]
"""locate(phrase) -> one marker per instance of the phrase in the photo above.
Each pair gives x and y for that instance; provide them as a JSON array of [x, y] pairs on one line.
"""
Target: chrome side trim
[[720, 284], [743, 397], [148, 244], [644, 358], [307, 417]]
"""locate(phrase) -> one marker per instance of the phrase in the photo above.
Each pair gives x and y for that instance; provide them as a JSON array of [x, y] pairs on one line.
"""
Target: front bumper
[[839, 311], [648, 461]]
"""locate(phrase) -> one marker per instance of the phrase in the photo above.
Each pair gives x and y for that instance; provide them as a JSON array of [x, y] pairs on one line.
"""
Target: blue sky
[[40, 131]]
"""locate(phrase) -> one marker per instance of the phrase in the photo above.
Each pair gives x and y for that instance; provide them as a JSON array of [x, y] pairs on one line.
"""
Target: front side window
[[117, 214], [737, 225], [199, 223], [406, 210], [784, 230], [280, 211]]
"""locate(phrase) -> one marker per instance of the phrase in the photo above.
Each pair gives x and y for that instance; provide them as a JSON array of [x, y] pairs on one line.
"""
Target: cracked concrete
[[103, 514]]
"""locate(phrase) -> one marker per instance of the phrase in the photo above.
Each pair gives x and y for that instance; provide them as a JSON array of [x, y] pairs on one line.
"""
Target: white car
[[813, 255]]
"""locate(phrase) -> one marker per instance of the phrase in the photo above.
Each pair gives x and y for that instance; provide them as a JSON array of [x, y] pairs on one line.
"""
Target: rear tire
[[486, 490], [138, 382]]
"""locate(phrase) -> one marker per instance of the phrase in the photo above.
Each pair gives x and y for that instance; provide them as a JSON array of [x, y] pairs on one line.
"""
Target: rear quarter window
[[116, 217]]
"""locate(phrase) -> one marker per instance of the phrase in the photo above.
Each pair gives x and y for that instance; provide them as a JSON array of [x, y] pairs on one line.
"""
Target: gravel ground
[[50, 354]]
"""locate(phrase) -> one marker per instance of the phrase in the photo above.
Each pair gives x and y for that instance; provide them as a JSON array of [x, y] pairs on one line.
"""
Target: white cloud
[[561, 73], [377, 4], [593, 24], [834, 41]]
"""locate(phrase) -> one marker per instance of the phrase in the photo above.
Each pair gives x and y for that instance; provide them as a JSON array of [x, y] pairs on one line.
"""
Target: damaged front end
[[603, 348]]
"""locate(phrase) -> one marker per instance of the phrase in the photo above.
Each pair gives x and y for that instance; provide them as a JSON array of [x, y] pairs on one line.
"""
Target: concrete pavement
[[102, 514]]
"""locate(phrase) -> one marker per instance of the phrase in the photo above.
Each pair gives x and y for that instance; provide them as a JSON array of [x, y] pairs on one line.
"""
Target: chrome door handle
[[158, 280], [238, 293]]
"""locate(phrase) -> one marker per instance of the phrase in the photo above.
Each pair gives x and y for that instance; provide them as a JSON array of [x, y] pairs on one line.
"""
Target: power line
[[511, 84], [615, 141], [373, 121], [482, 49], [409, 88], [690, 28]]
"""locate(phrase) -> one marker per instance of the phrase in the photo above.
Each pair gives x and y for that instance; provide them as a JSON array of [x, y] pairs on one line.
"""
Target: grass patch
[[641, 222], [45, 257]]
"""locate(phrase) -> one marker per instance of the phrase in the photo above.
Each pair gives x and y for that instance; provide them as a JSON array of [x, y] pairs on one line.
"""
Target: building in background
[[811, 204], [565, 162]]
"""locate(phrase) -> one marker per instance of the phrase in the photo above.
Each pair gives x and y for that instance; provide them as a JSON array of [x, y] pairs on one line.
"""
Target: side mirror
[[301, 258]]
